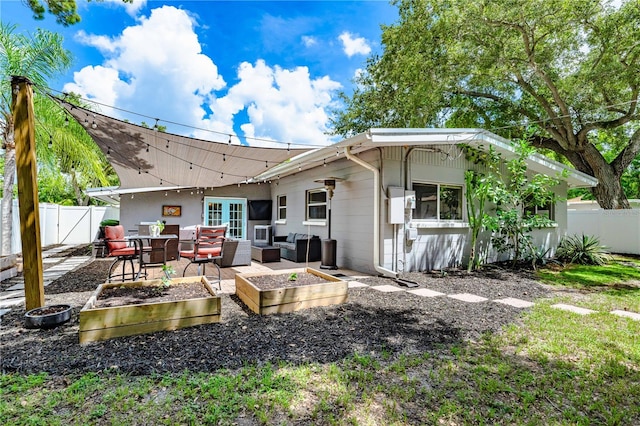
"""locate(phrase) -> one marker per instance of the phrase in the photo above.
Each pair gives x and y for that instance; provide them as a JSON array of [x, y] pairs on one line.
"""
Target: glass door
[[232, 211]]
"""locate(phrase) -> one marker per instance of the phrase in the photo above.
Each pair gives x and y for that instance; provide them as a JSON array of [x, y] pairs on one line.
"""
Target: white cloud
[[132, 8], [283, 105], [309, 41], [157, 68], [354, 46]]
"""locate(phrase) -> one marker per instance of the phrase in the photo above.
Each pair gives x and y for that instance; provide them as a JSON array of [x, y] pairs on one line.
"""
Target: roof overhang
[[478, 138], [146, 158]]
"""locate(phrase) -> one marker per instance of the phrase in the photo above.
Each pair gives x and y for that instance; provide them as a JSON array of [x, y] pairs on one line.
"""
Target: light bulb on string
[[167, 144], [190, 166], [266, 164], [229, 140], [324, 162], [224, 157], [66, 121], [108, 150], [165, 193], [147, 147], [50, 141]]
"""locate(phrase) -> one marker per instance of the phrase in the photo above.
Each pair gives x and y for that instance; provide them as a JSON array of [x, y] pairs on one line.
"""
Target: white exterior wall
[[352, 210], [147, 207]]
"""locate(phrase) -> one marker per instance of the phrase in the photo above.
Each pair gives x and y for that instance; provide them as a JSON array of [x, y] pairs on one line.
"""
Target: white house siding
[[147, 207], [352, 209]]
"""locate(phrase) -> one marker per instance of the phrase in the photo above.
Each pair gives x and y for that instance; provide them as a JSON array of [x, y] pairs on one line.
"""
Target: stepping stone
[[517, 303], [627, 314], [386, 288], [11, 302], [574, 309], [19, 286], [52, 259], [11, 294], [467, 297], [425, 292], [356, 284]]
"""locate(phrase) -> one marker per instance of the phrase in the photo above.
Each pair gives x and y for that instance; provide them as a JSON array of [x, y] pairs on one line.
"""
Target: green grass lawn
[[552, 367]]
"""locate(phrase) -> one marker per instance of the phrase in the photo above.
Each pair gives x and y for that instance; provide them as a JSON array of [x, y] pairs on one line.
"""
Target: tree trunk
[[609, 192], [7, 188]]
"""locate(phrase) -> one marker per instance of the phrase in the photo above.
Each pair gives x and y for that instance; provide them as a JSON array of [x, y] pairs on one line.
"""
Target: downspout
[[376, 213]]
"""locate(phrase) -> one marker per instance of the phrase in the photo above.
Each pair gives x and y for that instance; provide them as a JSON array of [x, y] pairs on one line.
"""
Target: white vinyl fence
[[619, 230], [64, 224]]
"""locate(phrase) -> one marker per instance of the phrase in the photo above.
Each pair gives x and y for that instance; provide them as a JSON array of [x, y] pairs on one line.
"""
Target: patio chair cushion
[[126, 251], [114, 236], [291, 238]]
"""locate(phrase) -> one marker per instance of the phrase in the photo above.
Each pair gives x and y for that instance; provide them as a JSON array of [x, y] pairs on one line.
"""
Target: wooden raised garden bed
[[100, 322], [291, 296]]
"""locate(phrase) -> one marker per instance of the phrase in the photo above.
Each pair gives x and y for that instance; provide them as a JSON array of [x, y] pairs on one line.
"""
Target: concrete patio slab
[[574, 309], [627, 314], [386, 288], [517, 303], [357, 284], [425, 292], [467, 297]]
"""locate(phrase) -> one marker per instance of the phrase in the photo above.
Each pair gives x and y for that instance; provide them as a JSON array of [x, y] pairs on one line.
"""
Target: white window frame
[[437, 220], [280, 209], [308, 205]]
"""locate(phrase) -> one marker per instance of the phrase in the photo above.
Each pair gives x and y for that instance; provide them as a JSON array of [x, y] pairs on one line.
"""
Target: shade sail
[[144, 157]]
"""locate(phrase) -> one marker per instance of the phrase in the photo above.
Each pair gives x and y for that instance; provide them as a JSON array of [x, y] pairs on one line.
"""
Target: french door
[[232, 211]]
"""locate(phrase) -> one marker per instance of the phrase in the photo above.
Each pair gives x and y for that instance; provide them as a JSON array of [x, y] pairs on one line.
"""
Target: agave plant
[[585, 250]]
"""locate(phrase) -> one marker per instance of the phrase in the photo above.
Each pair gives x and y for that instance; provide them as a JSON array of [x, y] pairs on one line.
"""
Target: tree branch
[[628, 154]]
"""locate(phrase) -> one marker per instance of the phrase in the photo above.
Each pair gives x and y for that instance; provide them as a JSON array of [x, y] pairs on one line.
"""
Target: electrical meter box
[[395, 204]]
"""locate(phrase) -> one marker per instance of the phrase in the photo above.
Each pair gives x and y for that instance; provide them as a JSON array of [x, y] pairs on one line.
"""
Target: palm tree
[[36, 57]]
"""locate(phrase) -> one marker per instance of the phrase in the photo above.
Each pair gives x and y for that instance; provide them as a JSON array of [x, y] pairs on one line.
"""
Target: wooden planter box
[[105, 323], [291, 299]]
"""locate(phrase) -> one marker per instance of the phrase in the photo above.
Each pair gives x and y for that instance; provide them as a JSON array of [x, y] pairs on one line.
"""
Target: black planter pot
[[47, 316]]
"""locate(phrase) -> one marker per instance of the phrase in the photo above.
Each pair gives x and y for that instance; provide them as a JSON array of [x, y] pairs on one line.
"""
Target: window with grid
[[282, 207], [437, 202], [316, 204]]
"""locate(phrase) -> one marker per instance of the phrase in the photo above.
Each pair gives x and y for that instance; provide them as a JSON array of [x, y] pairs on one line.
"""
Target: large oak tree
[[569, 68]]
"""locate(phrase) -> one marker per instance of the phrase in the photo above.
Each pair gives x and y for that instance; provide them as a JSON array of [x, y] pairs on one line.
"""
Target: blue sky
[[257, 69]]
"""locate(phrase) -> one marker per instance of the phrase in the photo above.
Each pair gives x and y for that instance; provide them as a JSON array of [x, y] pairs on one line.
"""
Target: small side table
[[264, 254]]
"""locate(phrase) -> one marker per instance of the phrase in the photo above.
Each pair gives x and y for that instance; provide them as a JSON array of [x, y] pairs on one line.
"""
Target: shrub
[[585, 250]]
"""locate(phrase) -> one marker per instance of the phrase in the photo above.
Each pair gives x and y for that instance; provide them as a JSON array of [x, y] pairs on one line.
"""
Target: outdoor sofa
[[294, 247]]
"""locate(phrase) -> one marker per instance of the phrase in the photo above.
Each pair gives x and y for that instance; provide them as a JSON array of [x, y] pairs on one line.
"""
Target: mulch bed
[[371, 322]]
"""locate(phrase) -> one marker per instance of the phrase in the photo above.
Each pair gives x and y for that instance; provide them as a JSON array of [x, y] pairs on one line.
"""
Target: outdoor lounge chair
[[206, 248], [122, 250]]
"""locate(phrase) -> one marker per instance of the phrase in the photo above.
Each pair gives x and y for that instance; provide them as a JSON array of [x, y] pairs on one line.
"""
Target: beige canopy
[[144, 157]]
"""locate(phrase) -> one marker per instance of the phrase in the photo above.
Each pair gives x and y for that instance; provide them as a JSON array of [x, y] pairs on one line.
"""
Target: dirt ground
[[370, 322]]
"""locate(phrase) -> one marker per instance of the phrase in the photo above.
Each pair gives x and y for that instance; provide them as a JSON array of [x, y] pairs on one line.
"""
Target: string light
[[190, 166], [229, 140], [50, 141], [167, 144], [324, 162], [132, 196], [266, 164], [147, 147], [160, 181], [288, 147], [165, 193], [66, 121], [300, 168], [222, 177], [224, 157], [139, 171], [155, 126]]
